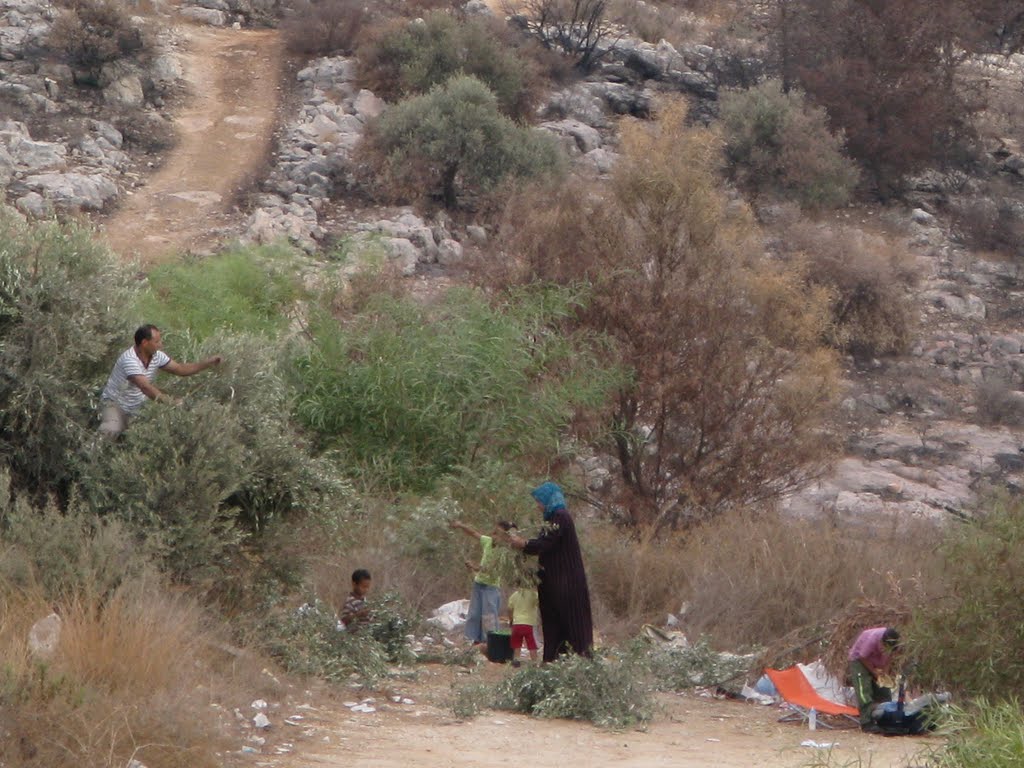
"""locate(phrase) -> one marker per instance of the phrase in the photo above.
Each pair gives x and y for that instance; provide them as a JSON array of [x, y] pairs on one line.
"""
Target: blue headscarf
[[550, 495]]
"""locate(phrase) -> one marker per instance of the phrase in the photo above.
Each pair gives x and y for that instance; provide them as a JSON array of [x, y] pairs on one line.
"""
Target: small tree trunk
[[448, 188]]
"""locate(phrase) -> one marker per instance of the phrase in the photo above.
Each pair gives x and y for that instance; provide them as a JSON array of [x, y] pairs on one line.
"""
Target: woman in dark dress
[[564, 597]]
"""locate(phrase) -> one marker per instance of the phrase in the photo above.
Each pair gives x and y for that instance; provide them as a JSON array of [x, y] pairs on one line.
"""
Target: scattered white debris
[[294, 720], [713, 740], [366, 708], [819, 744], [261, 721], [349, 704], [259, 704], [408, 701], [250, 751]]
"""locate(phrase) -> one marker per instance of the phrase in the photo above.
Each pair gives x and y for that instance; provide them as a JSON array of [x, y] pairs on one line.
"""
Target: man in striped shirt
[[131, 380]]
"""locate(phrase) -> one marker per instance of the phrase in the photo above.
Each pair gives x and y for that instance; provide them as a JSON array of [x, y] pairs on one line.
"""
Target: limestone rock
[[404, 253], [449, 253], [367, 106], [206, 16], [74, 191]]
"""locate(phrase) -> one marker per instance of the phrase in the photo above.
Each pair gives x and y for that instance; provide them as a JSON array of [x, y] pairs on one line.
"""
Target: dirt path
[[224, 134], [688, 732]]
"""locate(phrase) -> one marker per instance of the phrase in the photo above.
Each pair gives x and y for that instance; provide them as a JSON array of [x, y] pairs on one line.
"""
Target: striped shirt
[[123, 393]]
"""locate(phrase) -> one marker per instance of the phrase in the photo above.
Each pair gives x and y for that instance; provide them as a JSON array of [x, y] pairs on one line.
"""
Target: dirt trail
[[688, 732], [224, 134]]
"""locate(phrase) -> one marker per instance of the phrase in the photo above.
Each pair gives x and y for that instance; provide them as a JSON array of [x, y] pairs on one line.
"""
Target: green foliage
[[61, 320], [66, 553], [454, 139], [389, 625], [988, 735], [169, 477], [198, 478], [309, 642], [778, 141], [611, 693], [246, 290], [409, 393], [468, 701], [680, 669], [971, 640], [410, 58]]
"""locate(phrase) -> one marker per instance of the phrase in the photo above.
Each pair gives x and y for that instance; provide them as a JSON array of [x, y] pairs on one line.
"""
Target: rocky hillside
[[924, 432]]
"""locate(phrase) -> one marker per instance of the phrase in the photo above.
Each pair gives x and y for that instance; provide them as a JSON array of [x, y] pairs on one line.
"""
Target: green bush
[[62, 321], [66, 553], [778, 142], [409, 58], [225, 465], [309, 642], [988, 735], [680, 669], [454, 141], [245, 290], [971, 640], [611, 693], [409, 393]]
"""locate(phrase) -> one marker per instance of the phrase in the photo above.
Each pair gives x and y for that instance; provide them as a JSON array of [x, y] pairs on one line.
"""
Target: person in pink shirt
[[870, 656]]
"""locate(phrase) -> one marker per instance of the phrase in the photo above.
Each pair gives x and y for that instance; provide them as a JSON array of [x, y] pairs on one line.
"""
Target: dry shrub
[[653, 22], [90, 33], [731, 383], [634, 579], [130, 680], [323, 27], [994, 222], [754, 578], [869, 278], [999, 403]]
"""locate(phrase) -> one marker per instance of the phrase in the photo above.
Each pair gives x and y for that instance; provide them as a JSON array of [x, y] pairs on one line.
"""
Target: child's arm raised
[[458, 525]]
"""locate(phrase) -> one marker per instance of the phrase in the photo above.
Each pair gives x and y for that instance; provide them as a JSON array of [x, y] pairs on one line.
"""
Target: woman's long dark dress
[[564, 596]]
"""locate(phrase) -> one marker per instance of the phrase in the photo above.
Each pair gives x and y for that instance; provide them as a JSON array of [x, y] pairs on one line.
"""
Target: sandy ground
[[689, 731], [224, 135]]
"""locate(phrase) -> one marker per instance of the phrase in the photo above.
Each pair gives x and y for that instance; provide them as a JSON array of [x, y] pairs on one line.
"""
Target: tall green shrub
[[454, 140], [408, 393], [779, 142], [63, 317], [409, 58], [971, 640]]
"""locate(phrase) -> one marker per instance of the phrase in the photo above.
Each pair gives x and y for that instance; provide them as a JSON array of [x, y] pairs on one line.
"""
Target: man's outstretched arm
[[190, 369]]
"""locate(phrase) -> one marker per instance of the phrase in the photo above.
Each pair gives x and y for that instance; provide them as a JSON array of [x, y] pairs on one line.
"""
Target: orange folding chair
[[800, 696]]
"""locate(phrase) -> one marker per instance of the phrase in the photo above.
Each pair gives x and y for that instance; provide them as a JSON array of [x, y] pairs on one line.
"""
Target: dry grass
[[132, 678], [754, 578], [633, 578]]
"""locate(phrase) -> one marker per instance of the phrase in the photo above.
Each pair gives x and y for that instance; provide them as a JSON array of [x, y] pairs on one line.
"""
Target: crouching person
[[871, 656]]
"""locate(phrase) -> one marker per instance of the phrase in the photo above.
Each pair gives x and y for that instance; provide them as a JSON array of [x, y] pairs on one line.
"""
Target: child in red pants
[[523, 616]]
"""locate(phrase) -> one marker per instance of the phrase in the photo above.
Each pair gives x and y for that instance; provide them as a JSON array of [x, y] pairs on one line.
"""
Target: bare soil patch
[[224, 135], [690, 731]]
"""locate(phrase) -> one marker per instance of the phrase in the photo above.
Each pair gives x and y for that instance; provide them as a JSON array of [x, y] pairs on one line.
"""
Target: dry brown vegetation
[[324, 27], [131, 679], [748, 579], [869, 280], [730, 381], [90, 33]]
